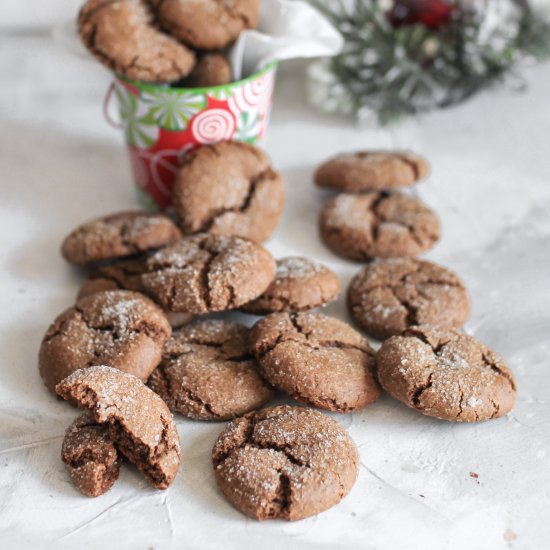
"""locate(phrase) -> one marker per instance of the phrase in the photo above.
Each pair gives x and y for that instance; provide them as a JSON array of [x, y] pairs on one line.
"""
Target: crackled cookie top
[[118, 235], [208, 374], [123, 275], [91, 457], [139, 422], [390, 295], [122, 35], [208, 273], [228, 189], [362, 227], [123, 329], [446, 374], [316, 359], [284, 463], [371, 171], [207, 24], [126, 275], [300, 284]]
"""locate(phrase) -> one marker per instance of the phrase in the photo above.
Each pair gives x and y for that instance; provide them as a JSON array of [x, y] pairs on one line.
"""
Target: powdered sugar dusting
[[297, 267]]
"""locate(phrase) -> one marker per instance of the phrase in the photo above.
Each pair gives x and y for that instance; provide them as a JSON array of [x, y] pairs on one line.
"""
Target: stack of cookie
[[128, 353], [420, 307], [166, 41]]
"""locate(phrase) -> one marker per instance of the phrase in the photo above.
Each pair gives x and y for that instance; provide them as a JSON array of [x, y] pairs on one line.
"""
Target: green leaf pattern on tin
[[140, 127], [173, 111], [220, 93], [248, 127]]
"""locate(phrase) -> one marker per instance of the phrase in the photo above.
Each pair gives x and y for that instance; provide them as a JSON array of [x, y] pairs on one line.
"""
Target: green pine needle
[[412, 69]]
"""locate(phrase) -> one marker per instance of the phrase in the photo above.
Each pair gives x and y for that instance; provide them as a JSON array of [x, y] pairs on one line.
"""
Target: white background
[[60, 164]]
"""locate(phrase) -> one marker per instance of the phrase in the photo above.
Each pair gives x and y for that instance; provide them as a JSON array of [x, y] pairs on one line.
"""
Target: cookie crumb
[[509, 535]]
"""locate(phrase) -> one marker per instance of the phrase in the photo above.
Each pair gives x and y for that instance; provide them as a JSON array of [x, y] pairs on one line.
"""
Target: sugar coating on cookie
[[206, 273], [299, 284], [207, 24], [119, 327], [371, 171], [284, 463], [390, 295], [446, 374], [118, 235], [126, 275], [208, 374], [369, 225], [316, 359], [91, 457], [139, 422], [228, 188], [122, 35], [122, 275]]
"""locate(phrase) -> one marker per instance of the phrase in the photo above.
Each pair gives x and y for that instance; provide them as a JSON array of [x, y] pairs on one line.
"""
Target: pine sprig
[[396, 71]]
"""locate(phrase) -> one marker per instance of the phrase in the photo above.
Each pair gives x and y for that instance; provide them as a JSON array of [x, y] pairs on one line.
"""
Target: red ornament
[[430, 13]]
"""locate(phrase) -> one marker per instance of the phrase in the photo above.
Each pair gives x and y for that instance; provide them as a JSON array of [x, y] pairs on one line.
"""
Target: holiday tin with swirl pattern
[[161, 124]]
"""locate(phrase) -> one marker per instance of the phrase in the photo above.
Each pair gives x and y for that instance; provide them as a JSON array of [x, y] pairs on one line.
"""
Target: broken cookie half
[[91, 457], [126, 414]]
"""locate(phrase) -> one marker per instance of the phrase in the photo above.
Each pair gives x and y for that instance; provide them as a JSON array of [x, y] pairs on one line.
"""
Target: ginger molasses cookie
[[371, 171], [284, 463], [362, 227], [118, 235], [228, 189], [125, 275], [300, 284], [316, 359], [122, 35], [91, 457], [390, 295], [206, 273], [208, 374], [212, 69], [446, 374], [207, 24], [137, 419], [121, 328]]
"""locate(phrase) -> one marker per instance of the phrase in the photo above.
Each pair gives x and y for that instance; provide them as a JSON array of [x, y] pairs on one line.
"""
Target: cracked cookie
[[208, 374], [118, 235], [125, 275], [228, 189], [138, 421], [206, 273], [446, 374], [388, 296], [284, 463], [371, 171], [362, 227], [316, 359], [124, 329], [122, 34], [91, 457], [207, 24], [300, 284], [212, 69]]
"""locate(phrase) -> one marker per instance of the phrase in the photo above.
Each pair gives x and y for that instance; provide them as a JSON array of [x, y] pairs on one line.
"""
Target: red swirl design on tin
[[213, 125]]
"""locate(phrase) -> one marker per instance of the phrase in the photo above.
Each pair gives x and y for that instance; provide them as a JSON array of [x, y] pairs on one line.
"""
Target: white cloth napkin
[[288, 29]]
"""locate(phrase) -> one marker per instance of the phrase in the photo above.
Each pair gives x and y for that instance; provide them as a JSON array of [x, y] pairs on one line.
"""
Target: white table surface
[[60, 164]]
